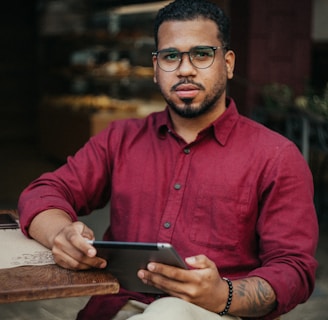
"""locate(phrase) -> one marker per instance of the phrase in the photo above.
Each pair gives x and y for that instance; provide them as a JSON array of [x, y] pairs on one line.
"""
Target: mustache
[[186, 81]]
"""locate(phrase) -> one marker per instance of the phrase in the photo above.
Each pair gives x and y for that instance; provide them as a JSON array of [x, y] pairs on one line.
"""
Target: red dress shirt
[[240, 194]]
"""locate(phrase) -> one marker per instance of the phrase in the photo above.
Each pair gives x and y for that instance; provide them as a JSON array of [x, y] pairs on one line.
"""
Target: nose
[[186, 67]]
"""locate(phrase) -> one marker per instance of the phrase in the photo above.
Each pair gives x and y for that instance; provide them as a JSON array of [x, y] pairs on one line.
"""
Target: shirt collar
[[221, 127], [164, 124]]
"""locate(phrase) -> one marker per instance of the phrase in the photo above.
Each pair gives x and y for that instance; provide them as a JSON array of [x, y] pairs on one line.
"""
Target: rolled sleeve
[[36, 199], [78, 187]]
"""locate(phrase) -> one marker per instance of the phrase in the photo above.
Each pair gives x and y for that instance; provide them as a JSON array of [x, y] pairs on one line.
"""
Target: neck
[[189, 128]]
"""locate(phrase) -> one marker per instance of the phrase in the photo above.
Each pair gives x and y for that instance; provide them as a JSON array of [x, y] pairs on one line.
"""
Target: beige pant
[[167, 308]]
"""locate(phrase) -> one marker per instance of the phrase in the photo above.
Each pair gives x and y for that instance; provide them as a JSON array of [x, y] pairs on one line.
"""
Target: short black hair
[[183, 10]]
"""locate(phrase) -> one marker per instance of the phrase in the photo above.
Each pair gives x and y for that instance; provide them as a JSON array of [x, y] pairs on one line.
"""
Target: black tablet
[[124, 259]]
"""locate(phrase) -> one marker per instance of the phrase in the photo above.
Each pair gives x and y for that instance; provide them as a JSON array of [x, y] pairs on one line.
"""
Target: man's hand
[[202, 285], [71, 249], [67, 240]]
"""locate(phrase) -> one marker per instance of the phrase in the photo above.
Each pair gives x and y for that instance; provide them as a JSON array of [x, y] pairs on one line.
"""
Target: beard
[[190, 110]]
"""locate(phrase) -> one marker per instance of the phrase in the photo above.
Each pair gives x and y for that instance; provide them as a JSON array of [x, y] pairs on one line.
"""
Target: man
[[233, 197]]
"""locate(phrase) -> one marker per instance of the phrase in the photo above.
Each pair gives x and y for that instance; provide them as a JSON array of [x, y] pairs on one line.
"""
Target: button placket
[[175, 196]]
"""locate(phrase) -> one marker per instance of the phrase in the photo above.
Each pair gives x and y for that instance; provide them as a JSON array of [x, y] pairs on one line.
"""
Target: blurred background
[[69, 67]]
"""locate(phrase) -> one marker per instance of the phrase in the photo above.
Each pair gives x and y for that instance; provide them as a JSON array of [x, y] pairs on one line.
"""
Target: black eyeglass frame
[[181, 53]]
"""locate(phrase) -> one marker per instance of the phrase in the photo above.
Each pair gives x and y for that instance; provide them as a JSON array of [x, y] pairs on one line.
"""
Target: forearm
[[47, 224], [252, 297]]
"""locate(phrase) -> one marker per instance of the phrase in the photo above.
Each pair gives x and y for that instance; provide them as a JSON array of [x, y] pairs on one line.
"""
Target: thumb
[[85, 231], [199, 262]]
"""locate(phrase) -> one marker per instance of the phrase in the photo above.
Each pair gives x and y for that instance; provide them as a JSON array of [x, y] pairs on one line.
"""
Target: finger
[[170, 286], [172, 280], [68, 262], [77, 235], [200, 262], [71, 249], [170, 272], [76, 260], [203, 270]]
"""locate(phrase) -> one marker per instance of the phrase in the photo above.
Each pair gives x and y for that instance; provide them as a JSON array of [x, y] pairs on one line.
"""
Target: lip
[[187, 91]]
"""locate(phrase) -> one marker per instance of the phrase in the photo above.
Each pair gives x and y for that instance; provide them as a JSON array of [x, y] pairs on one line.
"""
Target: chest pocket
[[220, 214]]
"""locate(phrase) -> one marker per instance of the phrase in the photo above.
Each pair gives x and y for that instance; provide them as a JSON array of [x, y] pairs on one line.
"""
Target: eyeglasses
[[201, 57]]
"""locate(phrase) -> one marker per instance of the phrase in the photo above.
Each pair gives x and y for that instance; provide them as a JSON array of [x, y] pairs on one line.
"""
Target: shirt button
[[177, 186], [186, 150], [167, 225]]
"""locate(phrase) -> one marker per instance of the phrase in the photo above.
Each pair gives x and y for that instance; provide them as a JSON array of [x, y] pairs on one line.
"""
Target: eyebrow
[[169, 49], [199, 46]]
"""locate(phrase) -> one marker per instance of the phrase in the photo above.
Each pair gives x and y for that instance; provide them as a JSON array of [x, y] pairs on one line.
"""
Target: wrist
[[229, 298], [58, 220]]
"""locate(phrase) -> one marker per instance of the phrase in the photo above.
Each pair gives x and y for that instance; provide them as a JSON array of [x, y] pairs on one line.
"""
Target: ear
[[230, 63], [155, 68]]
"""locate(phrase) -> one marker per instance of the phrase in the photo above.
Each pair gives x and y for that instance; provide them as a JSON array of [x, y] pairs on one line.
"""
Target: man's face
[[190, 91]]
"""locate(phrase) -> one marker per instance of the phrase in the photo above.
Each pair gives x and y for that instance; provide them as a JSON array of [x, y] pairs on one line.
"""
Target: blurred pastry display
[[89, 103], [95, 67]]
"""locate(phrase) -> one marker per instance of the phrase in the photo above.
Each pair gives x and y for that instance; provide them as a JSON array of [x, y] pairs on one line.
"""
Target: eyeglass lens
[[200, 57]]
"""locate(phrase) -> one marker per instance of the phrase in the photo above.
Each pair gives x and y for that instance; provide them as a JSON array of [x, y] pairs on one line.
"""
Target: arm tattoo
[[256, 295]]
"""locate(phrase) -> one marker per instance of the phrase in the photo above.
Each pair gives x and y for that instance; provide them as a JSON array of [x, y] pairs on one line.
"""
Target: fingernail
[[91, 252], [151, 267], [190, 260]]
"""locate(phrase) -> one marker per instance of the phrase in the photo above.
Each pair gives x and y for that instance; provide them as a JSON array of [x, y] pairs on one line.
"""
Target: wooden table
[[51, 281], [27, 283]]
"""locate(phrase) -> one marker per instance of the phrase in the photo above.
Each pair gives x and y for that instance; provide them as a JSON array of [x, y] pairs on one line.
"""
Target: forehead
[[186, 34]]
